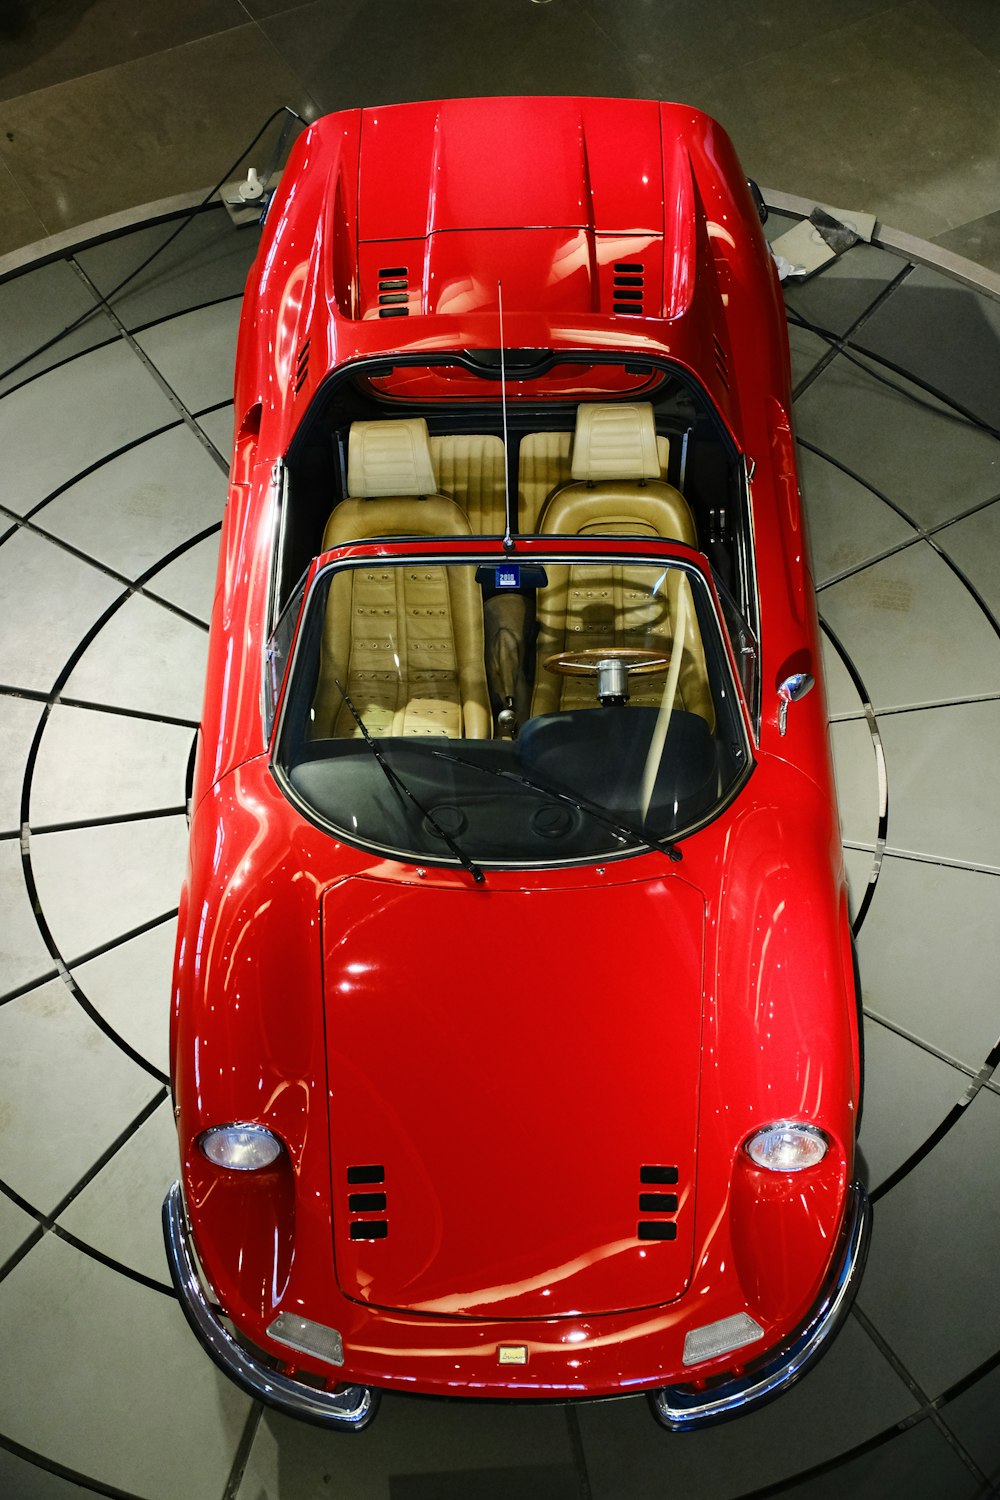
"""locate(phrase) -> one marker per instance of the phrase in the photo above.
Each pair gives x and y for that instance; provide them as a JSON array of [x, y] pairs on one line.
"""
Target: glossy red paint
[[512, 1054], [503, 1059]]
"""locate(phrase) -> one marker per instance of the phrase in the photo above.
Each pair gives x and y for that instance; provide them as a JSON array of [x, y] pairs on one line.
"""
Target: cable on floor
[[284, 109]]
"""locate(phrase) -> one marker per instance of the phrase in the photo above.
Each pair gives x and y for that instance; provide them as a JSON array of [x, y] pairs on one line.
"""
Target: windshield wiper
[[574, 799], [396, 781]]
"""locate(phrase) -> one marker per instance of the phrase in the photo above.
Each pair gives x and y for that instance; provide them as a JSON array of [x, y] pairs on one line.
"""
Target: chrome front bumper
[[682, 1408], [347, 1410]]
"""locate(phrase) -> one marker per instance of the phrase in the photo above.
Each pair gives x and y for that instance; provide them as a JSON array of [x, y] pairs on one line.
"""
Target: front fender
[[247, 1037], [784, 1019]]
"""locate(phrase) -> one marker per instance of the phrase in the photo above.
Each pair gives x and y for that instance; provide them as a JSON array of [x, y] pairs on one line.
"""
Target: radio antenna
[[508, 540]]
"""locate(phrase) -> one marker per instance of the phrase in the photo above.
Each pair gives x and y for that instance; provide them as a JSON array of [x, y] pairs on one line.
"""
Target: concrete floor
[[888, 107]]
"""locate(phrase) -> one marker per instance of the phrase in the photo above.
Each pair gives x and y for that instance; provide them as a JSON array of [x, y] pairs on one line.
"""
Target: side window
[[277, 652], [746, 651]]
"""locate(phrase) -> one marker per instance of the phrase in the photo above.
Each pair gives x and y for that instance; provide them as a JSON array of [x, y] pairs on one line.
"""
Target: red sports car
[[515, 1031]]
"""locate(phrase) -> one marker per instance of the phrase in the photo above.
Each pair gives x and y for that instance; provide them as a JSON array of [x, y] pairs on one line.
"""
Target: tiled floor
[[114, 487], [114, 440]]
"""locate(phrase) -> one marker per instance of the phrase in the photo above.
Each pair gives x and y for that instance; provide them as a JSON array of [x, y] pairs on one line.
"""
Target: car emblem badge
[[512, 1354]]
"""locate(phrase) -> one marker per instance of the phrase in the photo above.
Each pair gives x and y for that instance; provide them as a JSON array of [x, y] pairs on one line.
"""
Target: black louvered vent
[[367, 1203], [369, 1229], [662, 1205], [393, 292], [721, 363], [367, 1209], [626, 296], [665, 1175], [302, 367], [657, 1203]]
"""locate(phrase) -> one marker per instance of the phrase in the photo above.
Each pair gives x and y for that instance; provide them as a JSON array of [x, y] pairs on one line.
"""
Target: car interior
[[458, 667], [472, 659]]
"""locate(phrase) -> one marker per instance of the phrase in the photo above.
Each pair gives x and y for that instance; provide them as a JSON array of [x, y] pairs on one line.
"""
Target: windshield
[[511, 713]]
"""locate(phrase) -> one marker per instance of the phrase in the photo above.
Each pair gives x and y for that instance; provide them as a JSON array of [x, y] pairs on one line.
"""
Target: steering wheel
[[582, 663]]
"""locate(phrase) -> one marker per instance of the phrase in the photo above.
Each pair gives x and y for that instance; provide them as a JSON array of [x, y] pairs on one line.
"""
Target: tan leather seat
[[545, 465], [616, 491], [542, 467], [615, 468], [405, 642], [470, 468]]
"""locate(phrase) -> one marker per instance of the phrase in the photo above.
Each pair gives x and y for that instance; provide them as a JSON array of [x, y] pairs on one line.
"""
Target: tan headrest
[[614, 442], [390, 458]]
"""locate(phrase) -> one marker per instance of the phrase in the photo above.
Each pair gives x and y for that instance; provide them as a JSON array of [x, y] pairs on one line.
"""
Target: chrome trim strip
[[682, 1408], [750, 587], [978, 278], [111, 226], [349, 1410], [278, 498]]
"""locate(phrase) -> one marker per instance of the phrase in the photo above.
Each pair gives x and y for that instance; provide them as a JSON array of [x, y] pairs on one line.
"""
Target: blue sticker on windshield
[[508, 578]]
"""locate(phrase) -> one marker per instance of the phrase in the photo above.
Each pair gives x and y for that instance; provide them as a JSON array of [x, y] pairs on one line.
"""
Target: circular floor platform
[[115, 440]]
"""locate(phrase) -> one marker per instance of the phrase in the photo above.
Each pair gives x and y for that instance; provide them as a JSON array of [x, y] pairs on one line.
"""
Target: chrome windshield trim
[[276, 490], [682, 1408], [348, 1410], [751, 586]]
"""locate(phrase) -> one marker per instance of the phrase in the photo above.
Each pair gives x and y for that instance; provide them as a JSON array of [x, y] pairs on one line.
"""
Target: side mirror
[[758, 200], [790, 691]]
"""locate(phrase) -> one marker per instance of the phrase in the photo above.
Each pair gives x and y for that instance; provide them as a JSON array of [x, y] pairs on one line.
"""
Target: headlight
[[786, 1147], [241, 1148]]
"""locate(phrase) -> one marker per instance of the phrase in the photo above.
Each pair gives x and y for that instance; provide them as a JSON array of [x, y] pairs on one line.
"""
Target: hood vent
[[627, 289], [663, 1205], [721, 363], [393, 292], [302, 367], [367, 1209]]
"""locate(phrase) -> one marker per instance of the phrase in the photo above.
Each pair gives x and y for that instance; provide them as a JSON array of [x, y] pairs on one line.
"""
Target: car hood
[[512, 1075], [578, 227]]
